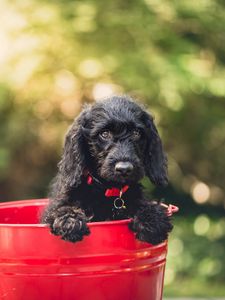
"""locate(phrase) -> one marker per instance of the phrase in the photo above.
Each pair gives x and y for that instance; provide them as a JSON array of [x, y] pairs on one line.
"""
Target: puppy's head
[[115, 140]]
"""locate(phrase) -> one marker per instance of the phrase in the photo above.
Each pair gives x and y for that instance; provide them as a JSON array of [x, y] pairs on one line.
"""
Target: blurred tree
[[169, 54], [56, 54]]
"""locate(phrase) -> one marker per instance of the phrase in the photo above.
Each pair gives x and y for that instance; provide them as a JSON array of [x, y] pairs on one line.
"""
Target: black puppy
[[111, 145]]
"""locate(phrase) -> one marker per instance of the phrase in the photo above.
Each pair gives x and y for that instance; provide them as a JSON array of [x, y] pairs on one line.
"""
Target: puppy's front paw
[[70, 223], [151, 224]]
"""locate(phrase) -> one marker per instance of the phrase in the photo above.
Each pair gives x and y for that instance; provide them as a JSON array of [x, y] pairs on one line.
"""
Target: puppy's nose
[[124, 168]]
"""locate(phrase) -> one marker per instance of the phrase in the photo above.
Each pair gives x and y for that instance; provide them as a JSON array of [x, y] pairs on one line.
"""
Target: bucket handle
[[171, 209]]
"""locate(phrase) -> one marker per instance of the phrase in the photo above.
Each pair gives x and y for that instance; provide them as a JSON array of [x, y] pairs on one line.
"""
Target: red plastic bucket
[[109, 264]]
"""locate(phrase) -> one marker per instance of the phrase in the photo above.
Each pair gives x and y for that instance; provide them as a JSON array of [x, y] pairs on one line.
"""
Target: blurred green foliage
[[195, 265], [55, 55]]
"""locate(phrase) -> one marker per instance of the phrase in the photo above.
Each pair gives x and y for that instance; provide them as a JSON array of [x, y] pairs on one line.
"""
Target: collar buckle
[[119, 203]]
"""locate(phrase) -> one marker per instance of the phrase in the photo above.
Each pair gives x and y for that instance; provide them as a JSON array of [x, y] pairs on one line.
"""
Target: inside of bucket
[[21, 213]]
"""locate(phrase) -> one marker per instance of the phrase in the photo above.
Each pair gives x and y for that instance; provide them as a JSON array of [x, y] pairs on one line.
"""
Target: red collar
[[113, 192]]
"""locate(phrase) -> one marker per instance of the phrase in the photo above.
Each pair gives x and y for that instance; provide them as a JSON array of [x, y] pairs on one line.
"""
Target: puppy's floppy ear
[[72, 164], [155, 158]]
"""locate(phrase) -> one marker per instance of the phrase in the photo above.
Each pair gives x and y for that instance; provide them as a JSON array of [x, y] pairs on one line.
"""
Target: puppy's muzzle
[[124, 168]]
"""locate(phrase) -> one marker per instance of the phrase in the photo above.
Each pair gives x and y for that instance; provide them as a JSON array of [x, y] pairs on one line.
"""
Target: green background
[[56, 55]]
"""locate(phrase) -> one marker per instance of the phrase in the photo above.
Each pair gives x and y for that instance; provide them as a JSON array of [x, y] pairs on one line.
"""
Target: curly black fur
[[104, 134]]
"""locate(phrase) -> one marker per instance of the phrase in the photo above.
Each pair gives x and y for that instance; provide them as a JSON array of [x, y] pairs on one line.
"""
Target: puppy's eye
[[136, 134], [106, 135]]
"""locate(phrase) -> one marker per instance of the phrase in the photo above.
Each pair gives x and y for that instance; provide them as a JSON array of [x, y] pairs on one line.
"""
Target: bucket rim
[[171, 209]]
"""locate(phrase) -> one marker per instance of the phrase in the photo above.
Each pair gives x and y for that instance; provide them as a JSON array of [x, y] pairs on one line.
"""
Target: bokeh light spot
[[200, 192], [90, 68], [103, 90], [201, 225], [176, 246], [209, 267], [169, 276], [65, 83]]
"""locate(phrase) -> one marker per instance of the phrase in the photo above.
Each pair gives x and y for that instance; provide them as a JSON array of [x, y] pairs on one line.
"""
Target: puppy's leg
[[67, 221], [151, 223]]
